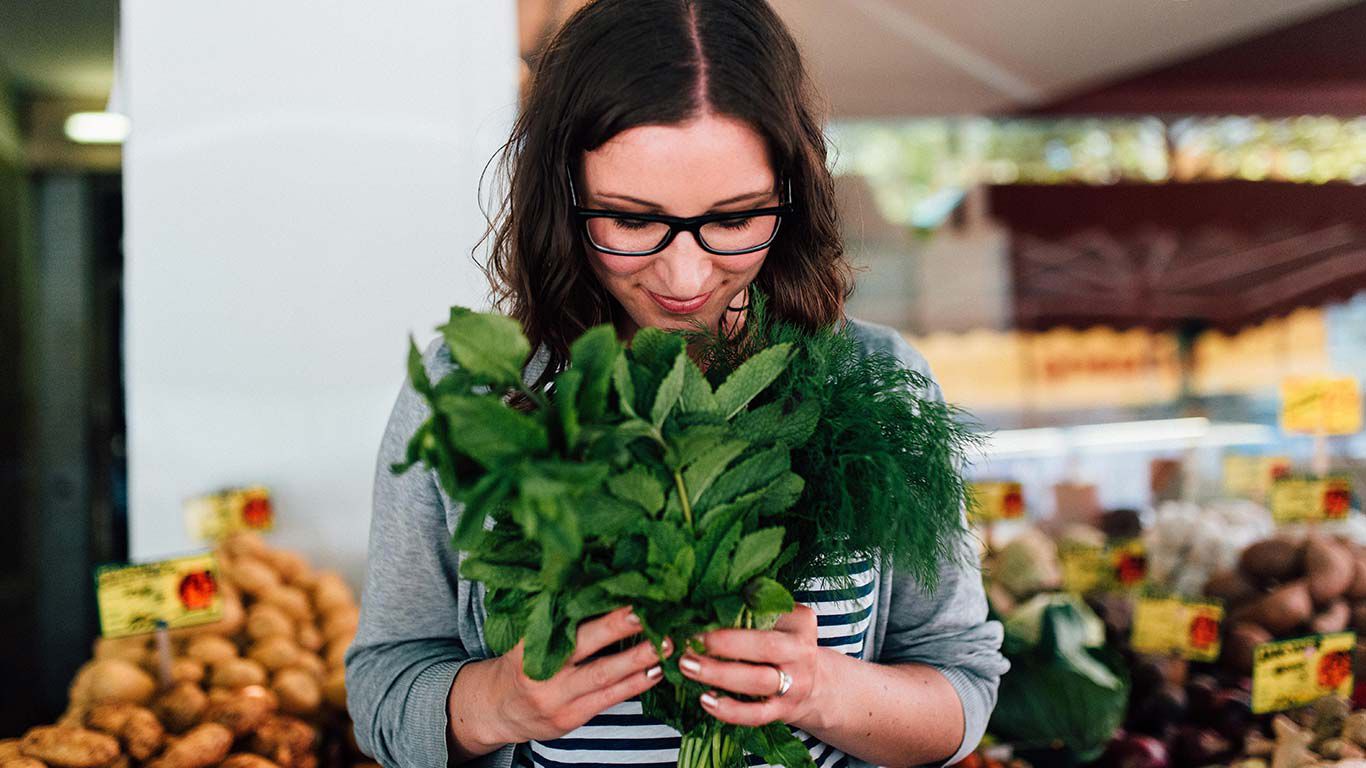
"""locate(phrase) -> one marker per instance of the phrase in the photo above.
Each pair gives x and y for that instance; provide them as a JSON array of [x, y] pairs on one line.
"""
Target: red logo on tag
[[197, 590]]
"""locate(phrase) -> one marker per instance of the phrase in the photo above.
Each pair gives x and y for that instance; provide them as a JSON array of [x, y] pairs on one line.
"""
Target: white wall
[[301, 192]]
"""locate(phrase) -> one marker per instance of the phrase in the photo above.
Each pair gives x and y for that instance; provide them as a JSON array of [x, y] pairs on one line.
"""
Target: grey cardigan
[[420, 622]]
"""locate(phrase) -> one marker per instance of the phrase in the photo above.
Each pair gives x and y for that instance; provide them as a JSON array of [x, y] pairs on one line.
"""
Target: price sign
[[1250, 477], [134, 599], [1176, 626], [214, 516], [992, 501], [1099, 569], [1292, 673], [1321, 405], [1302, 500]]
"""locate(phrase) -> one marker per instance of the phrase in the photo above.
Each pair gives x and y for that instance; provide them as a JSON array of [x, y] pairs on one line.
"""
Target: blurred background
[[1114, 228]]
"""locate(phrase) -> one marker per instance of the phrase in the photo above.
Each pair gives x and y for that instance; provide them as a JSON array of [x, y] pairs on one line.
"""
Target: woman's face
[[711, 164]]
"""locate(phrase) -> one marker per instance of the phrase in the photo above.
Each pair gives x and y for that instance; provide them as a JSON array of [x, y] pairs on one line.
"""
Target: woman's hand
[[747, 661], [547, 709]]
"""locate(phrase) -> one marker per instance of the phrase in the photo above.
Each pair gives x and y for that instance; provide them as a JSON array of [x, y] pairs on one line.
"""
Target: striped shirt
[[623, 736]]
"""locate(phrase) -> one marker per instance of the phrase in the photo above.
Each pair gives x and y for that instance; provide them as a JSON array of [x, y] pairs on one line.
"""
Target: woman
[[667, 159]]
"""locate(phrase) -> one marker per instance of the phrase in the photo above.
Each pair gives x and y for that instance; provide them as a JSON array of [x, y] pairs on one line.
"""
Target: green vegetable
[[701, 500], [1063, 684]]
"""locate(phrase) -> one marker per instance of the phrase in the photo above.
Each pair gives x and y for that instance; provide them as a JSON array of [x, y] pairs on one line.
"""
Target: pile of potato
[[263, 687], [1286, 587]]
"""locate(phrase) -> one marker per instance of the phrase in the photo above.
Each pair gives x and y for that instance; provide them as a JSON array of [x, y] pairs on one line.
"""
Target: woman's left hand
[[748, 661]]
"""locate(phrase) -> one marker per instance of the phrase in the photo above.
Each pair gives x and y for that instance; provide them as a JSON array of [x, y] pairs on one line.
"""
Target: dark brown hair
[[618, 64]]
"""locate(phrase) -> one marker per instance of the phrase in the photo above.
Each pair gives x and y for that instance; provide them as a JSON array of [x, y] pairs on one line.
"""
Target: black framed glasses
[[732, 233]]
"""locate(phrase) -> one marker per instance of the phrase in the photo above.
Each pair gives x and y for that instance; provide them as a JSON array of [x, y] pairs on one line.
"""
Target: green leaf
[[500, 632], [697, 394], [640, 486], [678, 574], [503, 576], [605, 517], [567, 386], [417, 372], [728, 608], [769, 424], [755, 472], [694, 443], [776, 745], [714, 557], [782, 494], [590, 601], [478, 502], [633, 584], [746, 382], [595, 355], [488, 345], [764, 595], [704, 471], [753, 554], [669, 389], [630, 554], [546, 647], [490, 432], [626, 390], [656, 348]]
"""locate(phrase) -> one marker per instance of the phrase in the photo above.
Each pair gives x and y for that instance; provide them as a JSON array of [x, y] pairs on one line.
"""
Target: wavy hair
[[618, 64]]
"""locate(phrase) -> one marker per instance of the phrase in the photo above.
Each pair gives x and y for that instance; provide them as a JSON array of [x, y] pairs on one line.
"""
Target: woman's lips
[[680, 306]]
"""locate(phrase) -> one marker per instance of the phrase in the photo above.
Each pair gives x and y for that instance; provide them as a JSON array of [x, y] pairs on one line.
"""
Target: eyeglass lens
[[635, 235]]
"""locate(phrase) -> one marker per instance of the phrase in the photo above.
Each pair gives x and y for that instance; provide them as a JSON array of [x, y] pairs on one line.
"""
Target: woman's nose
[[683, 268]]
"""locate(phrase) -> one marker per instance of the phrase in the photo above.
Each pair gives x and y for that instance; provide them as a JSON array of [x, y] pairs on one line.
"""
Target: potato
[[243, 711], [275, 652], [9, 748], [142, 734], [246, 760], [313, 664], [341, 623], [335, 655], [286, 740], [19, 761], [66, 747], [1272, 560], [253, 576], [1285, 609], [206, 745], [245, 543], [291, 565], [238, 673], [110, 717], [112, 680], [292, 600], [131, 649], [187, 670], [182, 707], [1330, 568], [265, 620], [298, 690], [211, 649], [332, 592], [1334, 618], [334, 690], [1238, 648], [310, 639], [1230, 586]]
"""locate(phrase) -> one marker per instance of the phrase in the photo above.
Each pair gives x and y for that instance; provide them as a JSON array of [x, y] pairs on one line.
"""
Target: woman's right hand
[[547, 709]]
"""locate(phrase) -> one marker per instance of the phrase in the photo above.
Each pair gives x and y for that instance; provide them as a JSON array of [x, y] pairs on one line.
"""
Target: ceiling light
[[97, 127]]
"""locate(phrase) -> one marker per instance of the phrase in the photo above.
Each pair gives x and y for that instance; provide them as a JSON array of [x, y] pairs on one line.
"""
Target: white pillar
[[301, 192]]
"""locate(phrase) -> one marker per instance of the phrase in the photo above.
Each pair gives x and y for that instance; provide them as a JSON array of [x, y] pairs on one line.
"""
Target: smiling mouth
[[680, 306]]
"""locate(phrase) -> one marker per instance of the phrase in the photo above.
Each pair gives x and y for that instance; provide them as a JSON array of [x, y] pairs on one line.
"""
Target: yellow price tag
[[1301, 500], [1292, 673], [214, 516], [1321, 405], [134, 599], [1099, 569], [1250, 477], [1171, 625], [996, 500]]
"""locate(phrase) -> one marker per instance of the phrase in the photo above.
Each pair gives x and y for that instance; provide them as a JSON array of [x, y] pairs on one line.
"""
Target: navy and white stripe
[[623, 736]]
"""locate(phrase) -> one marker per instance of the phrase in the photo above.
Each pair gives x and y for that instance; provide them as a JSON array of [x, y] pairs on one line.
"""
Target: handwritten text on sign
[[182, 592]]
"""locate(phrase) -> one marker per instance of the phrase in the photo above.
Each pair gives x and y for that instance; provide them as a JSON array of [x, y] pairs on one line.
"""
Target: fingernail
[[709, 700], [632, 617], [689, 665], [667, 647], [654, 672]]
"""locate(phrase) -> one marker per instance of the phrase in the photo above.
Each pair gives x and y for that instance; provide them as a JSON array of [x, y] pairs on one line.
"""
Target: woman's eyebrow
[[760, 194]]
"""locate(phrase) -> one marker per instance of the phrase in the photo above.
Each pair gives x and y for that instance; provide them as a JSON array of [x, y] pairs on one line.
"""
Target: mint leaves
[[631, 481]]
